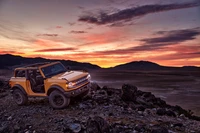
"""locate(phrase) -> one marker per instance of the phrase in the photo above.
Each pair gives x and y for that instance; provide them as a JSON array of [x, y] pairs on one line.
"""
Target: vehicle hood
[[71, 75]]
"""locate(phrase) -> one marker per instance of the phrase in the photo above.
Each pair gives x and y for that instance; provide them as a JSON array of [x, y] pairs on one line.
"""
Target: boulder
[[140, 128], [4, 127], [97, 125], [100, 96], [94, 86], [75, 127], [170, 113], [129, 93], [112, 91], [159, 129], [4, 85], [161, 111]]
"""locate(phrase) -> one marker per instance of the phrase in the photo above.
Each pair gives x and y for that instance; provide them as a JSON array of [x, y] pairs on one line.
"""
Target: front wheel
[[19, 97], [58, 100]]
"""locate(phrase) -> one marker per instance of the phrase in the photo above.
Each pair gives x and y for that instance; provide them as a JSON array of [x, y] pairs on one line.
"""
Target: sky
[[103, 32]]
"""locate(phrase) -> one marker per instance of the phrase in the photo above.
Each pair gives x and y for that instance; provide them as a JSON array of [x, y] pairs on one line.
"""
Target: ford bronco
[[50, 80]]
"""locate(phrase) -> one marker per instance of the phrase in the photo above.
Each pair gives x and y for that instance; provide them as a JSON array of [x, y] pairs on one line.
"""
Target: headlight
[[88, 77], [71, 84]]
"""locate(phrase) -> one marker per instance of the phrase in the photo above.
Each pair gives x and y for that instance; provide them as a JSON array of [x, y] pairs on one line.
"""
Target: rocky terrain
[[103, 110]]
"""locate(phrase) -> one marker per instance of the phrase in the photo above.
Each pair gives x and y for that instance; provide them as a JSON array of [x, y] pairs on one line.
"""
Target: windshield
[[53, 69]]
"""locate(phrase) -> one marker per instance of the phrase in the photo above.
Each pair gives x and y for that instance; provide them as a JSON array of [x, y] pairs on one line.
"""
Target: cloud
[[15, 31], [71, 23], [176, 56], [56, 49], [51, 35], [59, 27], [126, 15], [89, 28], [169, 38], [171, 55], [104, 38], [81, 7], [46, 43], [77, 32], [196, 53], [11, 52]]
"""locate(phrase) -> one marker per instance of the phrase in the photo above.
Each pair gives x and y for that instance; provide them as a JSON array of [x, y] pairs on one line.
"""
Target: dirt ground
[[39, 117], [176, 87]]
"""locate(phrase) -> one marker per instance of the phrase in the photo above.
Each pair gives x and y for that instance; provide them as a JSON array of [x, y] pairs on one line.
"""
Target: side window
[[20, 73], [34, 72], [38, 73]]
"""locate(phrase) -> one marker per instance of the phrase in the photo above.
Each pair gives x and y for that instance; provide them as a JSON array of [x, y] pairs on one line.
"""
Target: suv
[[50, 80]]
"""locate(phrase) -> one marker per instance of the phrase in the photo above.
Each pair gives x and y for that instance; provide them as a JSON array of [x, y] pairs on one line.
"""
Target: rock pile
[[103, 110], [4, 85]]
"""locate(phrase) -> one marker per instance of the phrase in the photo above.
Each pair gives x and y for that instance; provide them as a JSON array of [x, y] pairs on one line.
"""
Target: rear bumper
[[78, 91]]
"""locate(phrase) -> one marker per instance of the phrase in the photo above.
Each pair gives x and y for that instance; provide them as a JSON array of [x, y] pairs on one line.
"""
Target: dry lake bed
[[176, 87]]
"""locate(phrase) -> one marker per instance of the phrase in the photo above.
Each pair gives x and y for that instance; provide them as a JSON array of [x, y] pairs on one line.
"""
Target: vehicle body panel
[[78, 79]]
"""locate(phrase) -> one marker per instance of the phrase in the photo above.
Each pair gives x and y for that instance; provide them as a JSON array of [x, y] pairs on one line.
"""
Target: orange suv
[[50, 80]]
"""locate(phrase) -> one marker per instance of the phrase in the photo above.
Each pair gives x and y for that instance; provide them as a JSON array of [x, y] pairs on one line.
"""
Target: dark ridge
[[147, 65], [139, 65], [8, 61]]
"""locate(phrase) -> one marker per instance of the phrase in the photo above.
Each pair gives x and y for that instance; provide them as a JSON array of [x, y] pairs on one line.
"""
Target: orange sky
[[104, 32]]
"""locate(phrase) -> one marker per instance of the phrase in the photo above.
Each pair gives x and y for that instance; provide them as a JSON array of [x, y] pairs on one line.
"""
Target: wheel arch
[[17, 86], [54, 87]]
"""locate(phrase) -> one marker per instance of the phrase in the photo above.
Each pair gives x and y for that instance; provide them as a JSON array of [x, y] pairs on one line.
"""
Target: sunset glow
[[106, 32]]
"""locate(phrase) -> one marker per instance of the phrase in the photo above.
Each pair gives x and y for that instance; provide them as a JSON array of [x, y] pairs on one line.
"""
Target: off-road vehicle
[[52, 80]]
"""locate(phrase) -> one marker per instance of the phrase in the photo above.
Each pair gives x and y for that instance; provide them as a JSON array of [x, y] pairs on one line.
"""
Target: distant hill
[[138, 65], [12, 61], [146, 65]]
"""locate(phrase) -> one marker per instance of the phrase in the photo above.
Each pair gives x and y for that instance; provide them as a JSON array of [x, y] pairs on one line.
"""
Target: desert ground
[[110, 109], [176, 87]]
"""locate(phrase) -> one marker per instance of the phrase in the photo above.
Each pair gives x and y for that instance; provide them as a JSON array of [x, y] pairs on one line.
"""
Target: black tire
[[19, 97], [58, 100]]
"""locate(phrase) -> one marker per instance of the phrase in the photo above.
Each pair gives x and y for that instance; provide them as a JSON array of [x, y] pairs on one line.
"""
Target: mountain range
[[8, 61]]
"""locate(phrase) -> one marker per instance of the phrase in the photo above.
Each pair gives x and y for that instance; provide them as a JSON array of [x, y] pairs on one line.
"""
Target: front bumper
[[79, 91]]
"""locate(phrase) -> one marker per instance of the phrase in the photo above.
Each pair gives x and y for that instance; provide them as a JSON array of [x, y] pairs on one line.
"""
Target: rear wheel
[[19, 97], [58, 100]]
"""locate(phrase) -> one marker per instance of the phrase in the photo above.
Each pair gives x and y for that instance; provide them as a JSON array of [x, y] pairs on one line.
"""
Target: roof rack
[[36, 64]]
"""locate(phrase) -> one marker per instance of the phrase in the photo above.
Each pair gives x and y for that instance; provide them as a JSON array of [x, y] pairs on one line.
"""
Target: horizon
[[106, 33], [105, 67]]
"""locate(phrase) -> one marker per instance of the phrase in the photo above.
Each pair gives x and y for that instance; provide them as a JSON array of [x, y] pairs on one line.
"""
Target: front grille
[[81, 81]]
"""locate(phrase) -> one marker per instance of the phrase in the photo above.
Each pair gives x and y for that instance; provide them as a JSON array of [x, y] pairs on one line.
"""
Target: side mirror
[[68, 68]]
